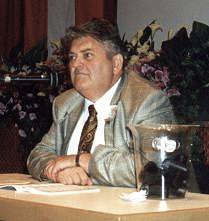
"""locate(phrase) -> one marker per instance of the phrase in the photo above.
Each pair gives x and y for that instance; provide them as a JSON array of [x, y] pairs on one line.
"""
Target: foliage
[[180, 68]]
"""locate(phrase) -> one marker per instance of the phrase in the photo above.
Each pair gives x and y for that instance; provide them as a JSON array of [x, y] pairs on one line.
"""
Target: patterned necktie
[[88, 132]]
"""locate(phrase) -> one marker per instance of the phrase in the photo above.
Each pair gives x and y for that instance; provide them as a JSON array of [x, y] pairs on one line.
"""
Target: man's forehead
[[85, 43]]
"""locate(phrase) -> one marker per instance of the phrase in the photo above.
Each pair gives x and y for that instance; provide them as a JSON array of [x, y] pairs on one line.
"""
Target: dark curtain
[[88, 9], [23, 23], [11, 25], [35, 22]]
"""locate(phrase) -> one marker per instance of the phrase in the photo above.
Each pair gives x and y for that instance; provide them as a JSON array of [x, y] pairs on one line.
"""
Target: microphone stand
[[162, 156]]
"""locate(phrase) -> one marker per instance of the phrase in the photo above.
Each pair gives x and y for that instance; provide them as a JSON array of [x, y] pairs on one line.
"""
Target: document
[[51, 189]]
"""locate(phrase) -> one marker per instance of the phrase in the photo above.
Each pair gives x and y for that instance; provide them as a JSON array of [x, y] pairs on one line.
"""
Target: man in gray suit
[[120, 98]]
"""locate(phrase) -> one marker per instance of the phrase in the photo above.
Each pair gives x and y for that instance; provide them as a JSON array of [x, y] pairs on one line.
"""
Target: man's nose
[[77, 63]]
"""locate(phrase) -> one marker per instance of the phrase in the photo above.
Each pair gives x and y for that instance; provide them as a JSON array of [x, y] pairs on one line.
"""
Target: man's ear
[[117, 61]]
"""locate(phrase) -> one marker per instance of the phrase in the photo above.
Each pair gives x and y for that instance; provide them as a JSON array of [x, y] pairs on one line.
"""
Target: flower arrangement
[[28, 105], [180, 68]]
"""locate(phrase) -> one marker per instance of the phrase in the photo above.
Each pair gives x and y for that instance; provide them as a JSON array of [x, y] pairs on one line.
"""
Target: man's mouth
[[79, 73]]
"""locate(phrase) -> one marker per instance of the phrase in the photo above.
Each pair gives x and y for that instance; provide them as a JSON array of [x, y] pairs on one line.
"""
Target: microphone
[[169, 163], [53, 79]]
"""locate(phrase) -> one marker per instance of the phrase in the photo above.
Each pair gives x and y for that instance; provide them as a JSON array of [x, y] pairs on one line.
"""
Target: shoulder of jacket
[[136, 86], [135, 91], [65, 102], [136, 81], [66, 97]]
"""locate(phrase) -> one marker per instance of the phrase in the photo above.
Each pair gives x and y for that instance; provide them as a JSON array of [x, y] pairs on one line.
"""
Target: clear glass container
[[162, 158]]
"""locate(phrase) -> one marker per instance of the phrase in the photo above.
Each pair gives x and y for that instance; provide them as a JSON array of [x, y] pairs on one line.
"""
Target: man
[[96, 68]]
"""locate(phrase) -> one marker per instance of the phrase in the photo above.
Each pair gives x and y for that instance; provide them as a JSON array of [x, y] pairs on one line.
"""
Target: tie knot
[[92, 110]]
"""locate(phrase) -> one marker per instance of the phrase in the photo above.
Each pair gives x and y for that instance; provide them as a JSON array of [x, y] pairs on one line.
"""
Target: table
[[104, 205]]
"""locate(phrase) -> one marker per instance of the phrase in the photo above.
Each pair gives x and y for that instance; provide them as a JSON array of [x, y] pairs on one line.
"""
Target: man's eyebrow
[[86, 50], [82, 51]]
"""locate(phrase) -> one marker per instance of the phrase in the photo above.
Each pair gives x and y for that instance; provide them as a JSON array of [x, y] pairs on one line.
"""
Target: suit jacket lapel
[[117, 94], [109, 124]]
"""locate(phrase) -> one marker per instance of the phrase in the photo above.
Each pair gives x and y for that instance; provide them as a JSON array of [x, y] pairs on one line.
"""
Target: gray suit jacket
[[137, 100]]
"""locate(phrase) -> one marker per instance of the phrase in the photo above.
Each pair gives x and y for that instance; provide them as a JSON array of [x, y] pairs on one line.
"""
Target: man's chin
[[86, 91], [81, 87]]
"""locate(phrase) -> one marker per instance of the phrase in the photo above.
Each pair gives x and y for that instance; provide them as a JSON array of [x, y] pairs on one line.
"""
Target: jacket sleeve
[[114, 165], [44, 151], [42, 154]]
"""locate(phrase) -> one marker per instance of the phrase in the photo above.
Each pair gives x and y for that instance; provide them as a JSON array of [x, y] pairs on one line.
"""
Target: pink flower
[[162, 76], [173, 92]]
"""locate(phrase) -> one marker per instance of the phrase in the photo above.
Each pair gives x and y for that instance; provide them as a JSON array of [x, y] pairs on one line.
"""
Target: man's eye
[[71, 57], [88, 55]]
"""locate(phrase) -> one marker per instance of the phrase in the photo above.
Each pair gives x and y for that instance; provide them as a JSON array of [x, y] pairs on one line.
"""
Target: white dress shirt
[[103, 108]]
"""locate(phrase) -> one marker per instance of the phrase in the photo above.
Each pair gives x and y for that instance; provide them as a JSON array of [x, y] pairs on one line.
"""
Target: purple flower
[[146, 69]]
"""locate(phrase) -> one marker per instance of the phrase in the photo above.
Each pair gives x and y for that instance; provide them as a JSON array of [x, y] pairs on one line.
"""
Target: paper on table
[[53, 189], [134, 197]]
